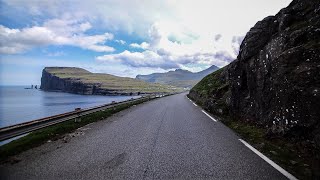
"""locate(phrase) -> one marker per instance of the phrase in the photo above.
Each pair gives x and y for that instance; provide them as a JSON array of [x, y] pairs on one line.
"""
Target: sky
[[123, 37]]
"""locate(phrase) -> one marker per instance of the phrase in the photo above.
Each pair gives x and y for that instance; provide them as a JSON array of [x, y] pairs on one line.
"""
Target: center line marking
[[276, 166], [194, 104], [209, 116]]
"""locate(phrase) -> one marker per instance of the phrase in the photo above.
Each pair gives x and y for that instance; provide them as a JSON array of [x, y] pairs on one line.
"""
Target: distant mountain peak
[[178, 77], [181, 70], [213, 67]]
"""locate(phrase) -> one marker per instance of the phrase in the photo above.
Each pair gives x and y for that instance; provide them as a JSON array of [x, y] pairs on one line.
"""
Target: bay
[[19, 105]]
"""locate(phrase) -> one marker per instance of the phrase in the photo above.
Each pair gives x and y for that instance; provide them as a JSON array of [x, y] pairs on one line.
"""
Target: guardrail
[[26, 127]]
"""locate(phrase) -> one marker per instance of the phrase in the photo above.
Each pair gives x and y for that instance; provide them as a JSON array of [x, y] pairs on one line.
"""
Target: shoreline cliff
[[79, 81]]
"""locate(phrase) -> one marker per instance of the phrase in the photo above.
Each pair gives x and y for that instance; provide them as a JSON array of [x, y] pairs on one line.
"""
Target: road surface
[[167, 138]]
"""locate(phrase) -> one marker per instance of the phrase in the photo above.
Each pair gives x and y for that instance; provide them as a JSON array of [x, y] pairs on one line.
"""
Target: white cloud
[[163, 52], [53, 32], [165, 60], [175, 33], [139, 59], [143, 45], [131, 16], [201, 16], [121, 42]]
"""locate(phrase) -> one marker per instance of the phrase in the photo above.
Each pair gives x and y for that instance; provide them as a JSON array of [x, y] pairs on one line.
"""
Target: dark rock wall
[[275, 80]]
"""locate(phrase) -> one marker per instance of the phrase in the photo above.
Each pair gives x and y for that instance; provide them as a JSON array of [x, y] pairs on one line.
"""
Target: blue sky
[[123, 38]]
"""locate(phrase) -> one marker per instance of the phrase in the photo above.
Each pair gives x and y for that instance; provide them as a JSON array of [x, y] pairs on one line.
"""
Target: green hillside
[[179, 77], [102, 81]]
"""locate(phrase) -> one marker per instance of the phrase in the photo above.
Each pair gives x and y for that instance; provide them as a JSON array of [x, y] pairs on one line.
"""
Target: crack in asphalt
[[154, 143]]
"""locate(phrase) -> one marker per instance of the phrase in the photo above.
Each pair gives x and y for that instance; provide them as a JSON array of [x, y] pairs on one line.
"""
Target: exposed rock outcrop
[[275, 80], [51, 82]]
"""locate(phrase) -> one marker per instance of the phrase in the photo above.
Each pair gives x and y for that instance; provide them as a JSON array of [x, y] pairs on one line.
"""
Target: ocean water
[[19, 105]]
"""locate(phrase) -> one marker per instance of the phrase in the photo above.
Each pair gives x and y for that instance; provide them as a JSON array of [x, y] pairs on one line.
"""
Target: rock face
[[275, 80], [179, 77], [79, 81], [51, 82]]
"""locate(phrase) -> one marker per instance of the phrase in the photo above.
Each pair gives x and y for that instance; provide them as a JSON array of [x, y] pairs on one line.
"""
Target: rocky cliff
[[275, 81], [53, 82], [80, 81]]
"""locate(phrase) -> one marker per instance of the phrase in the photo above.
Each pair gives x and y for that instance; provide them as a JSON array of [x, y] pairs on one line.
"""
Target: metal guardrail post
[[78, 118]]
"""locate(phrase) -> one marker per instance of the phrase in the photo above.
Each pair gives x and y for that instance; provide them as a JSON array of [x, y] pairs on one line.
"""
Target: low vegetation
[[210, 83], [281, 151]]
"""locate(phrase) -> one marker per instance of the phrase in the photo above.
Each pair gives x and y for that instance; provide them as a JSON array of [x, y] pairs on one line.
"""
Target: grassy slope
[[213, 84], [209, 83], [108, 81]]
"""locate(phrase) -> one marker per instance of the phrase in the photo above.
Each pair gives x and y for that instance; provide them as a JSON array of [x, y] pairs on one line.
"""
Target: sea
[[18, 105]]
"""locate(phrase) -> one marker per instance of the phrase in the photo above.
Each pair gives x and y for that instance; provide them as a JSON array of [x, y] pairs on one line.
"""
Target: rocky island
[[80, 81]]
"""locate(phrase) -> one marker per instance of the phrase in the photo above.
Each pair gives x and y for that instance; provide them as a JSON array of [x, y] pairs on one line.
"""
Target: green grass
[[110, 82], [213, 84], [278, 149], [55, 132], [181, 83], [210, 83]]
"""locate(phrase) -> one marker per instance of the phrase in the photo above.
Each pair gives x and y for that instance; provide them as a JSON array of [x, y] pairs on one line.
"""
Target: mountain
[[80, 81], [274, 83], [179, 77]]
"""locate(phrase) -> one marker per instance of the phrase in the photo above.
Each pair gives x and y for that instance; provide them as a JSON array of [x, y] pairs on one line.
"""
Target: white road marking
[[191, 100], [209, 116], [194, 104], [276, 166]]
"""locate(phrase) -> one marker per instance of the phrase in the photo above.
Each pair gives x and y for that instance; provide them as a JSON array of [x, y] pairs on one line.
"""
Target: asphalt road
[[168, 138]]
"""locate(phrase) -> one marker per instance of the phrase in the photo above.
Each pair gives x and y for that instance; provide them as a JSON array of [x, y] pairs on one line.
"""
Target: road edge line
[[192, 101], [209, 116], [269, 161]]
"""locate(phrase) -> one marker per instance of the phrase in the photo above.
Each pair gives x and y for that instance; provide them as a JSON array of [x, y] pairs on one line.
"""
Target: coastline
[[57, 131], [35, 104]]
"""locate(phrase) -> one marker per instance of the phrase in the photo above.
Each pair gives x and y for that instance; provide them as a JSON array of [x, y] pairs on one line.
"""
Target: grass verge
[[55, 132], [280, 150]]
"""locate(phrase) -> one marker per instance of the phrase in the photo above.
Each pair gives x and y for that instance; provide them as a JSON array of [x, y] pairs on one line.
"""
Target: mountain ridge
[[179, 77]]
